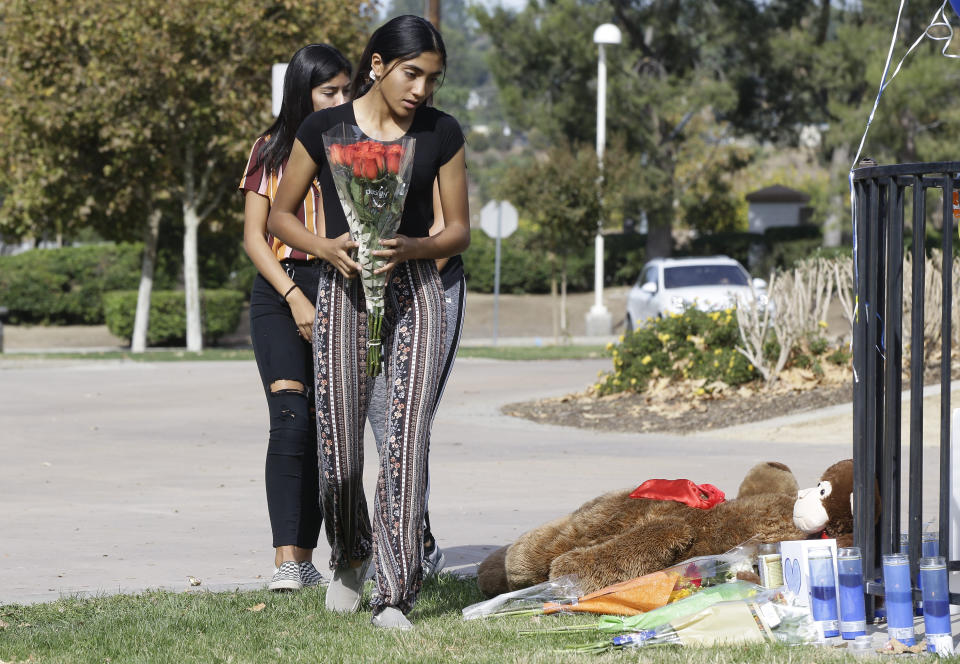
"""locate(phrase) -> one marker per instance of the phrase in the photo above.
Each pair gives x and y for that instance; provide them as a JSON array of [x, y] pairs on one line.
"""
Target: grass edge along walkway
[[260, 626], [519, 353]]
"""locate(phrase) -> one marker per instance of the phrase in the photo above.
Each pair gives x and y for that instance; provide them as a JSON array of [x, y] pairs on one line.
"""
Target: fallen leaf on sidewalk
[[894, 647], [257, 607], [194, 581]]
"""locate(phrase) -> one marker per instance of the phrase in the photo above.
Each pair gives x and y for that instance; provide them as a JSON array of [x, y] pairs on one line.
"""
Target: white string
[[939, 20]]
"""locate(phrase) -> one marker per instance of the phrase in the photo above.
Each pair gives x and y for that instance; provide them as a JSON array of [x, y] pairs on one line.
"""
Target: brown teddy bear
[[826, 510], [614, 537]]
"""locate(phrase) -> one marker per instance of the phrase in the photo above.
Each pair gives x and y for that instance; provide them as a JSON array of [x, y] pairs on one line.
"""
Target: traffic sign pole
[[498, 219], [496, 278]]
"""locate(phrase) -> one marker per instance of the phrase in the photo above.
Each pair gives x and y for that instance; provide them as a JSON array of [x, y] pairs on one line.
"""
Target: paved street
[[119, 476]]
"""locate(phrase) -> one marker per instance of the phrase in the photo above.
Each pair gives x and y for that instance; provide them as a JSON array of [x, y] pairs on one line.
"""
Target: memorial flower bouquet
[[563, 595], [372, 180]]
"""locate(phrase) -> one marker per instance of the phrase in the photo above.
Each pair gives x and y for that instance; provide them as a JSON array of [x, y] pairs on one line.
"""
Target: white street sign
[[277, 72], [507, 221]]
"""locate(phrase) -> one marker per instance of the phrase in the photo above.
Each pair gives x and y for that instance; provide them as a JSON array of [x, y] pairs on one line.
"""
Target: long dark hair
[[309, 67], [401, 38]]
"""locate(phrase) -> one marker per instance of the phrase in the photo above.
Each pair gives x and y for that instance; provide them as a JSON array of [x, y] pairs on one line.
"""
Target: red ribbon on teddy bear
[[701, 496]]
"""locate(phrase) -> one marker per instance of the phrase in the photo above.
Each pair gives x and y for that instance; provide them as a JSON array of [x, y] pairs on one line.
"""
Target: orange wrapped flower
[[627, 598]]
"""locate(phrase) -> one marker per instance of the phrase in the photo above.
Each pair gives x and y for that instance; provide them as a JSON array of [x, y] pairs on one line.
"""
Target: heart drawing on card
[[791, 574]]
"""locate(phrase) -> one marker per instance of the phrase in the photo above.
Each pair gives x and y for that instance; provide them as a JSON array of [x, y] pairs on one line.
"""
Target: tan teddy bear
[[614, 537]]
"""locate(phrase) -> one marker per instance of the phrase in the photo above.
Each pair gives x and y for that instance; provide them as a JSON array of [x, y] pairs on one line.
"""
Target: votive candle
[[853, 620], [898, 593], [823, 590], [936, 605]]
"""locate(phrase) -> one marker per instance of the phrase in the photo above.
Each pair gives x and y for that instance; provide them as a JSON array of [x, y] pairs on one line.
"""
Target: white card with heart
[[796, 565]]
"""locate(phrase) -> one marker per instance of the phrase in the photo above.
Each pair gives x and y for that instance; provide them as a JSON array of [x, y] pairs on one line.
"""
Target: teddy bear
[[826, 510], [614, 537]]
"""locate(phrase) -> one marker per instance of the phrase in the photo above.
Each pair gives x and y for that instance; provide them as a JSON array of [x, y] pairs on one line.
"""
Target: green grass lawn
[[570, 352], [171, 355], [220, 627], [221, 354]]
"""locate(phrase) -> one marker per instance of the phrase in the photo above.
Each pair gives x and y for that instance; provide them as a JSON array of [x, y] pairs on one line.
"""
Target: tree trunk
[[191, 277], [563, 297], [554, 308], [659, 238], [833, 224], [141, 321]]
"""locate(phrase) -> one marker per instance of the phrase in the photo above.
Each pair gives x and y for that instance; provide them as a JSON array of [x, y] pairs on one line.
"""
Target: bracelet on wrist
[[289, 290]]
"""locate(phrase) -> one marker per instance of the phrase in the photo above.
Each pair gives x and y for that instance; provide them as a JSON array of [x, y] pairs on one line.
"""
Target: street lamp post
[[599, 321]]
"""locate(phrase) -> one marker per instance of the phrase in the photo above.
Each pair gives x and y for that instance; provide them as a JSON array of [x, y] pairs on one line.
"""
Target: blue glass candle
[[853, 620], [823, 590], [898, 594], [936, 605], [929, 548], [904, 543], [930, 545]]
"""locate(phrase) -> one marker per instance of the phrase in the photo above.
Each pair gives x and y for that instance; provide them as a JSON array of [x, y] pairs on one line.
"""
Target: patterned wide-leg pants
[[413, 333]]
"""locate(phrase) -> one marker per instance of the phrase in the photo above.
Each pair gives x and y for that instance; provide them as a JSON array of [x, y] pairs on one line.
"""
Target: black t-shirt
[[439, 138], [452, 272]]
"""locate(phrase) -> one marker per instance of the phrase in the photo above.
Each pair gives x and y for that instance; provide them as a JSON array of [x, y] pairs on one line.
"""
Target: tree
[[558, 194], [835, 58], [157, 101], [680, 60]]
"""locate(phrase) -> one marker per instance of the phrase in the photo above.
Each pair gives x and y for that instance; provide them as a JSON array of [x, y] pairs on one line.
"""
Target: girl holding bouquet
[[282, 314], [398, 72]]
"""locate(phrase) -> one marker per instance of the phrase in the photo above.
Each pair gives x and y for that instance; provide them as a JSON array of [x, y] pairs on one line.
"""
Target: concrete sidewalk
[[120, 476]]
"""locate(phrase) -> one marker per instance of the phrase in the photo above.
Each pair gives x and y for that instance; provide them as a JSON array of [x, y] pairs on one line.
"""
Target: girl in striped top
[[282, 314]]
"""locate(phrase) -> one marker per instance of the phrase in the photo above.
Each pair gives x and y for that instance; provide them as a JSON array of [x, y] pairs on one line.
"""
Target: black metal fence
[[881, 194]]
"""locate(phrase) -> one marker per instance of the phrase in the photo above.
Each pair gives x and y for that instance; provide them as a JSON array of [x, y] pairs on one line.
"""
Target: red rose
[[348, 153], [393, 163], [370, 168]]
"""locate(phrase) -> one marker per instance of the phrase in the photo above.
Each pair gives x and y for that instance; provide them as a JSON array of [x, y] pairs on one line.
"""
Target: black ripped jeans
[[292, 480]]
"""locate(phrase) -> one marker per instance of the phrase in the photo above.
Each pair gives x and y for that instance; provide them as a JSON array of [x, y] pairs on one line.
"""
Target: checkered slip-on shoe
[[433, 561], [309, 575], [287, 577]]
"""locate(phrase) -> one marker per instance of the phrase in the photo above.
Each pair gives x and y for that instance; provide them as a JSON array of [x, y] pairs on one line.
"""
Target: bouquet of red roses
[[372, 179]]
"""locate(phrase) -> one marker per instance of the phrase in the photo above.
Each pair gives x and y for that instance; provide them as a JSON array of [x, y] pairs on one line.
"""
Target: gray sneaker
[[433, 561], [286, 577], [346, 588], [391, 618]]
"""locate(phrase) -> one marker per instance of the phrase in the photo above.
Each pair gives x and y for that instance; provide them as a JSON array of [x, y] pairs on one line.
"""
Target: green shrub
[[65, 286], [524, 267], [623, 257], [818, 345], [220, 309], [840, 357], [694, 344], [734, 244]]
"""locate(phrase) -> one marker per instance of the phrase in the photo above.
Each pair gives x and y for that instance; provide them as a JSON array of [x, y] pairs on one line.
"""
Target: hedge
[[65, 286], [524, 267], [220, 309], [776, 248]]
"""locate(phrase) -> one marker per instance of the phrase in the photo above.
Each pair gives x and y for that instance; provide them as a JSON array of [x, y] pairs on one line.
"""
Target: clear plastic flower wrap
[[372, 180], [527, 601], [651, 620], [706, 571], [768, 617]]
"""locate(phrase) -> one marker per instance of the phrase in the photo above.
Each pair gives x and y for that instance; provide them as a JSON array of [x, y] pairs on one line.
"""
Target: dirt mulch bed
[[635, 413], [696, 406]]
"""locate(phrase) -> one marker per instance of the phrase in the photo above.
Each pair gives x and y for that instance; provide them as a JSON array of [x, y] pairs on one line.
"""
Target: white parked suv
[[709, 283]]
